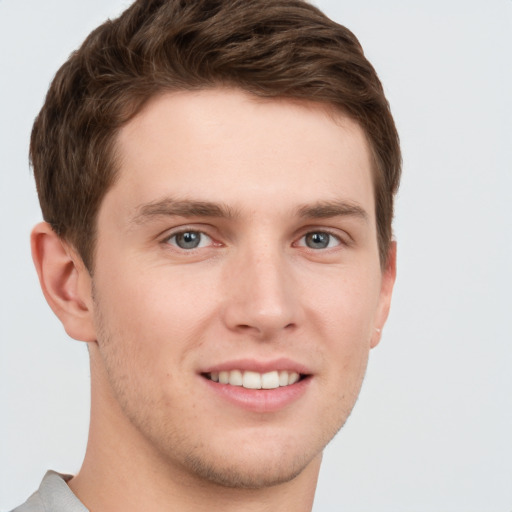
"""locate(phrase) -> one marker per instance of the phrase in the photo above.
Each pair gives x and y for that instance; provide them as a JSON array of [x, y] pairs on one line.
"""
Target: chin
[[258, 459], [248, 474]]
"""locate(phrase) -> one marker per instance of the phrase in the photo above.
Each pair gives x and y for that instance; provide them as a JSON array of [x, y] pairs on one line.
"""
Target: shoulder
[[33, 504], [53, 495]]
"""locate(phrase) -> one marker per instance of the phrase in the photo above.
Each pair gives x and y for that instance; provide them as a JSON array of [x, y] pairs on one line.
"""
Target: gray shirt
[[53, 495]]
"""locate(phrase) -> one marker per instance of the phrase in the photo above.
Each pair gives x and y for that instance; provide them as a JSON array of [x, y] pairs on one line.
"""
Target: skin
[[256, 181]]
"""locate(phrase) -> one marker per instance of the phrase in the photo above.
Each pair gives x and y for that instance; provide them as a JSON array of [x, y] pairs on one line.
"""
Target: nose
[[262, 299]]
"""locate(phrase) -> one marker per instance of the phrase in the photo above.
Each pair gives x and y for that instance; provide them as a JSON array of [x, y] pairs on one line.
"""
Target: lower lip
[[260, 400]]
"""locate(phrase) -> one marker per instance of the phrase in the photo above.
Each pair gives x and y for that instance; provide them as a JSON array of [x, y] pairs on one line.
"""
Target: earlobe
[[65, 282], [386, 291]]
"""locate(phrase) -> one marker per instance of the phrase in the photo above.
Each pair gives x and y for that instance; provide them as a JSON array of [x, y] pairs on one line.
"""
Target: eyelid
[[183, 228], [302, 241], [173, 232], [202, 242], [343, 238]]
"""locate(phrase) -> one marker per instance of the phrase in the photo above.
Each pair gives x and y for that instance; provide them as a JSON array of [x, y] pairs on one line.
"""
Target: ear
[[386, 291], [65, 282]]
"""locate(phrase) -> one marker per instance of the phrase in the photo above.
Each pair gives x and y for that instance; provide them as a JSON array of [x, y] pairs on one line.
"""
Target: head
[[219, 180], [272, 49]]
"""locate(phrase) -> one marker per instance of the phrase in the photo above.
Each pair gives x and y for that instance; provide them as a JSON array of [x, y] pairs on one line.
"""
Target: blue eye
[[320, 240], [190, 240]]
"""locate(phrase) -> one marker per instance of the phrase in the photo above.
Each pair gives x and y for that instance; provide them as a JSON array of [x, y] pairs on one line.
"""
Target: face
[[237, 286]]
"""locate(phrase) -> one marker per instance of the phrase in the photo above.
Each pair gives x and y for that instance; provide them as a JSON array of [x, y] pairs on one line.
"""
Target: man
[[217, 183]]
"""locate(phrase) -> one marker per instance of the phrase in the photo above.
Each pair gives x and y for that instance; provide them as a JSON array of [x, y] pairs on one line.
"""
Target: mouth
[[255, 380], [259, 386]]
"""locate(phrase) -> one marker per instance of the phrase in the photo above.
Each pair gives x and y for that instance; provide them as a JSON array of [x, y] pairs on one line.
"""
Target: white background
[[432, 430]]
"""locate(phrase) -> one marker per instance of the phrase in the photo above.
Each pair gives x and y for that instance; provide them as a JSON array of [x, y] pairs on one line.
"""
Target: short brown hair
[[271, 48]]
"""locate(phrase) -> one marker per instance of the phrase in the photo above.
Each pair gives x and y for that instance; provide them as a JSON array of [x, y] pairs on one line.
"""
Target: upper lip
[[259, 366]]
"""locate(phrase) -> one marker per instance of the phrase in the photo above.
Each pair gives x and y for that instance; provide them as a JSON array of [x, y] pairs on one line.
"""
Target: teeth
[[252, 380], [255, 380], [294, 377], [270, 380], [236, 378]]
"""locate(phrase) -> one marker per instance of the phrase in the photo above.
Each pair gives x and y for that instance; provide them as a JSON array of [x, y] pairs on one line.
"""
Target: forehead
[[227, 145]]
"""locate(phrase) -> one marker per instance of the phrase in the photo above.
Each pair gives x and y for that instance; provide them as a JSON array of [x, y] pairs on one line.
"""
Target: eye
[[319, 240], [189, 240]]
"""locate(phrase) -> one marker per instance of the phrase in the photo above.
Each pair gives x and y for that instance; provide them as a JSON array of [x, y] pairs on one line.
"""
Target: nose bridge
[[262, 298]]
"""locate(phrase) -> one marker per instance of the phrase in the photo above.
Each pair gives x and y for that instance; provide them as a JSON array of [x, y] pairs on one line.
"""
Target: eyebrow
[[169, 207], [326, 209]]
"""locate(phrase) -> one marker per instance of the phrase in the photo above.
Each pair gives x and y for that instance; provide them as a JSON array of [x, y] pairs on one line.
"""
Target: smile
[[255, 380]]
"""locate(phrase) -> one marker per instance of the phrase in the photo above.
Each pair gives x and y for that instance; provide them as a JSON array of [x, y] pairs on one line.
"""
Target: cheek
[[345, 316], [154, 313], [347, 303]]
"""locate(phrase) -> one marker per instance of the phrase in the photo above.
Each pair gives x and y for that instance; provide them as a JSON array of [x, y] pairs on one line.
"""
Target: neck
[[122, 471]]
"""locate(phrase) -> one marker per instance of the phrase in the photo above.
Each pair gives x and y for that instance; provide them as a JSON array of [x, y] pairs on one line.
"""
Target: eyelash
[[183, 232], [331, 236]]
